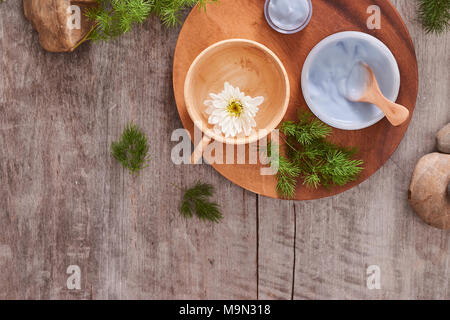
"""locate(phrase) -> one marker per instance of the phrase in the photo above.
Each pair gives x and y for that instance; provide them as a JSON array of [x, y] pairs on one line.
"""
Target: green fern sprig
[[131, 149], [170, 11], [435, 15], [311, 157], [288, 174], [306, 130], [195, 201], [113, 18]]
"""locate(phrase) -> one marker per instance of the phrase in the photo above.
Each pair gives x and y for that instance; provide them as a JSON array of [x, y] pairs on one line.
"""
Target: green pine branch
[[131, 149], [312, 158], [306, 130], [196, 201], [435, 15], [113, 18], [288, 174], [170, 11]]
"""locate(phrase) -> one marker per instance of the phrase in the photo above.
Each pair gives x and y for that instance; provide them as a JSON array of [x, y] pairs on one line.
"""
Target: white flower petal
[[229, 124], [257, 101], [214, 96], [219, 104], [217, 129]]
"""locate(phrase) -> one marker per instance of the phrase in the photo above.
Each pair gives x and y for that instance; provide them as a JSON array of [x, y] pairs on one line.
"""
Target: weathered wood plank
[[428, 247], [338, 238], [276, 258], [373, 224], [65, 201], [160, 254], [49, 161]]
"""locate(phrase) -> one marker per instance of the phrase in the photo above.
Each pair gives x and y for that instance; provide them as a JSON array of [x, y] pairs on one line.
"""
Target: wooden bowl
[[246, 64]]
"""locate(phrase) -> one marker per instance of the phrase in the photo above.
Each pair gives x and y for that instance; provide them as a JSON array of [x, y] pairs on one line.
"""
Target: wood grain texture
[[329, 17], [64, 201], [338, 238]]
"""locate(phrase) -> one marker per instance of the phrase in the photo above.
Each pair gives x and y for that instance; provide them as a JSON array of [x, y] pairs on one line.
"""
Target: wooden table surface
[[64, 201]]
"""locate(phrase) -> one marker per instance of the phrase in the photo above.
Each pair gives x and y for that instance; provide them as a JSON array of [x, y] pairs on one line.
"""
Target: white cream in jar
[[337, 77], [288, 16]]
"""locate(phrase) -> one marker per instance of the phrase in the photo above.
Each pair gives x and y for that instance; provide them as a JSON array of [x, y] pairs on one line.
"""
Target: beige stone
[[443, 139], [428, 190], [49, 18]]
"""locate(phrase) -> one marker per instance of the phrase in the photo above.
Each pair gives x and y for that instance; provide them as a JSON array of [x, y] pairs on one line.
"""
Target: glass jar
[[288, 16]]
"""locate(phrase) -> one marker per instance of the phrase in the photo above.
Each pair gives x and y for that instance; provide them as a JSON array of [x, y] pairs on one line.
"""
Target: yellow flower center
[[235, 108]]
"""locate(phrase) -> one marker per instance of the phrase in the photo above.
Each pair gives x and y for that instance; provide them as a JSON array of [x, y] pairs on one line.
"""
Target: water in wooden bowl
[[246, 64]]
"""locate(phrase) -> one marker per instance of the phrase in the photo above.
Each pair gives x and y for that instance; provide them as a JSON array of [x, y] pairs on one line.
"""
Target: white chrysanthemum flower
[[232, 112]]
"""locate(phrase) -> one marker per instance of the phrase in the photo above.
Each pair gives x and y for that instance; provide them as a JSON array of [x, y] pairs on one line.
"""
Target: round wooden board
[[245, 19]]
